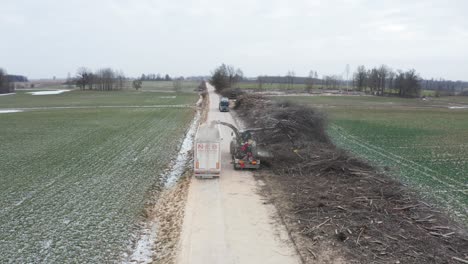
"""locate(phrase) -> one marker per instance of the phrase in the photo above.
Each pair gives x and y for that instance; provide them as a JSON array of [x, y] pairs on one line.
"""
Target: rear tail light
[[254, 162]]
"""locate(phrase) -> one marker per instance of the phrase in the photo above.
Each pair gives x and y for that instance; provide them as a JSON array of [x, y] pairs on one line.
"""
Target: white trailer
[[207, 152]]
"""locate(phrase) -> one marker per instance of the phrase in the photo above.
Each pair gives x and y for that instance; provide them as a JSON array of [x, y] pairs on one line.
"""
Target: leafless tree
[[234, 75], [260, 82], [290, 79], [225, 76], [84, 78], [120, 79], [347, 76], [373, 80], [4, 83], [408, 83], [137, 83], [332, 81], [310, 81], [69, 81], [177, 83], [360, 78], [104, 79], [382, 73], [391, 80]]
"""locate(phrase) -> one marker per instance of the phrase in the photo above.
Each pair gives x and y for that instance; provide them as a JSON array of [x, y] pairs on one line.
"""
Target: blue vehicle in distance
[[224, 104]]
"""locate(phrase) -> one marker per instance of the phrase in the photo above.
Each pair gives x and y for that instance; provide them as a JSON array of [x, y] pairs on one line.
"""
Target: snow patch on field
[[10, 111], [168, 97], [143, 252], [458, 107], [179, 166], [6, 94], [49, 92]]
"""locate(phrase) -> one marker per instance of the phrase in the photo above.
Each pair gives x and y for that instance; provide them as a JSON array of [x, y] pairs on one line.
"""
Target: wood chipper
[[207, 152], [243, 148]]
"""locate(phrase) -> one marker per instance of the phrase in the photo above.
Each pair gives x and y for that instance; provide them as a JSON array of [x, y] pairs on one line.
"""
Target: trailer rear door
[[207, 158]]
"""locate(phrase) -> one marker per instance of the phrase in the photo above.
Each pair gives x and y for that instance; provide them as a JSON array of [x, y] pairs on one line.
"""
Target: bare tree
[[290, 79], [219, 78], [373, 80], [347, 76], [408, 83], [69, 81], [326, 81], [260, 82], [391, 80], [120, 80], [225, 76], [4, 82], [293, 76], [104, 79], [84, 78], [177, 83], [310, 81], [360, 78], [332, 81], [382, 73], [316, 77], [234, 75], [137, 83]]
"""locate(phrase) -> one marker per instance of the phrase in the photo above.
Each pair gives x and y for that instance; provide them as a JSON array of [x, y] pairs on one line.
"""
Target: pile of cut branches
[[328, 196]]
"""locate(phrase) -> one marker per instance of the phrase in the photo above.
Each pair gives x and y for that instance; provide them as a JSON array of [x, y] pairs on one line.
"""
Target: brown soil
[[169, 213], [339, 209]]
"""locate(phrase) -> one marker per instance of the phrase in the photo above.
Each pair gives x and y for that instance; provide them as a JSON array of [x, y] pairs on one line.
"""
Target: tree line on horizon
[[155, 77], [383, 80], [378, 81], [105, 79]]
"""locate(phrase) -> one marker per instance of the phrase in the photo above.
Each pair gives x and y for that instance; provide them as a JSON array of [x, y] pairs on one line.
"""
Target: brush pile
[[231, 92], [328, 197], [296, 136]]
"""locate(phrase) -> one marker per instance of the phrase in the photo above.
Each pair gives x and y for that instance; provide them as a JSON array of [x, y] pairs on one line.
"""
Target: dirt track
[[226, 220]]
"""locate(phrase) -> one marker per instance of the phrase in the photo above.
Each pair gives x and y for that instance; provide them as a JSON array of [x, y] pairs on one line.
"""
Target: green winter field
[[168, 86], [77, 98], [273, 86], [301, 88], [423, 143], [74, 181]]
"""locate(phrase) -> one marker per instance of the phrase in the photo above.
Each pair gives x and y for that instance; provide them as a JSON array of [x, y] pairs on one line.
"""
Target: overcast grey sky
[[53, 37]]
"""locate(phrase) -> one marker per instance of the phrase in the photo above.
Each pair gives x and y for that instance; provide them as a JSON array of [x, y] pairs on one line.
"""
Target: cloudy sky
[[48, 38]]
